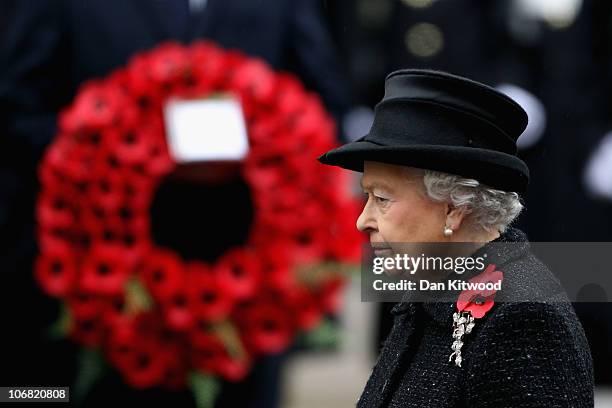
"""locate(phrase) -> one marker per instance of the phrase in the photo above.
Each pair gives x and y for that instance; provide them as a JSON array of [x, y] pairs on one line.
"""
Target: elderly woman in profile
[[439, 165]]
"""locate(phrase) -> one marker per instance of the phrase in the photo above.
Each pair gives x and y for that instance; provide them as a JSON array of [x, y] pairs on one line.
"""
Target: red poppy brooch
[[473, 303]]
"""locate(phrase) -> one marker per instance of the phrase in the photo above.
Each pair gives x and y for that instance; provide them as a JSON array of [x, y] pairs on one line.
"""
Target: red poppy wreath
[[157, 318]]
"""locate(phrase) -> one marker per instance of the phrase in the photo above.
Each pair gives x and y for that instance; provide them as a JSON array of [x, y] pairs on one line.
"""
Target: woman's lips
[[379, 252]]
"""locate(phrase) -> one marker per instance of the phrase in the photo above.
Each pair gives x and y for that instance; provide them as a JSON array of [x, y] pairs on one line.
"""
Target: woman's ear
[[455, 216]]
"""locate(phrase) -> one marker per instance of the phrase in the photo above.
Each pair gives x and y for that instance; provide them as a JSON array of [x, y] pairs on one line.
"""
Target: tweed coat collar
[[442, 312]]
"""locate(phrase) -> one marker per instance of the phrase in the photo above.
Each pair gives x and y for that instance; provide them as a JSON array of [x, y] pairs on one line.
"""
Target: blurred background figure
[[551, 56], [6, 11], [49, 48]]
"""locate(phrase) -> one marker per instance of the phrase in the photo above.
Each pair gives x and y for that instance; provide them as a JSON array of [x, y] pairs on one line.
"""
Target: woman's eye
[[381, 199]]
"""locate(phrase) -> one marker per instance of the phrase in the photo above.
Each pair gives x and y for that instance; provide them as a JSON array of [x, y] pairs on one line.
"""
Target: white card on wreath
[[201, 130]]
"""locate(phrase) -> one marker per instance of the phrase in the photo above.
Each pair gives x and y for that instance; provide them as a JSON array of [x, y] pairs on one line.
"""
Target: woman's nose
[[365, 222]]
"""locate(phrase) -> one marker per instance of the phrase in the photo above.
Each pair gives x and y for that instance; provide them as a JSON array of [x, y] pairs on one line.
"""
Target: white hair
[[489, 209]]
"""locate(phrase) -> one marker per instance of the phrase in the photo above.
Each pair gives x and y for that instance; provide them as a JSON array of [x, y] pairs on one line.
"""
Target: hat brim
[[495, 169]]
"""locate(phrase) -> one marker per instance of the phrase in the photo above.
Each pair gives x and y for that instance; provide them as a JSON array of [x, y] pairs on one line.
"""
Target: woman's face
[[398, 209]]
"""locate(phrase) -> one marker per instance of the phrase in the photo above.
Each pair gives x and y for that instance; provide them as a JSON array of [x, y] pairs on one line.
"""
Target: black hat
[[439, 121]]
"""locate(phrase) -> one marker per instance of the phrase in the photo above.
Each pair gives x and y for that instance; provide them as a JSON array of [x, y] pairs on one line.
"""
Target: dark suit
[[50, 48]]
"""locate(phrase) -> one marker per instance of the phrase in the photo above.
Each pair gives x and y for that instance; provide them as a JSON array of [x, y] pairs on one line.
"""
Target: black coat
[[520, 354]]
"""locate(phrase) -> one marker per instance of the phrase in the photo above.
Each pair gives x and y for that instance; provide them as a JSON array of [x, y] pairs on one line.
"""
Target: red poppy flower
[[304, 306], [140, 352], [51, 176], [255, 80], [65, 158], [234, 369], [145, 365], [54, 209], [54, 239], [105, 187], [119, 78], [168, 63], [132, 220], [112, 309], [264, 169], [266, 327], [96, 106], [176, 371], [208, 65], [147, 98], [131, 145], [178, 309], [137, 246], [330, 294], [289, 94], [211, 354], [129, 118], [265, 130], [308, 242], [56, 272], [94, 222], [162, 273], [177, 366], [345, 241], [71, 121], [289, 198], [104, 270], [479, 302], [277, 266], [159, 161], [85, 306], [89, 332], [233, 59], [313, 130], [122, 339], [138, 190], [208, 353], [328, 177], [205, 336], [241, 269], [212, 294]]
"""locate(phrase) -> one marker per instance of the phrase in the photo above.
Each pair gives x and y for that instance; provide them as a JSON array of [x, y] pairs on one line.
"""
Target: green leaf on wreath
[[205, 389], [326, 335], [60, 328], [314, 274], [137, 298], [91, 368], [228, 334]]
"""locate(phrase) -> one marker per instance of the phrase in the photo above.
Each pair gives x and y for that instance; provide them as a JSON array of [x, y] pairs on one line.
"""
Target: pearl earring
[[448, 231]]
